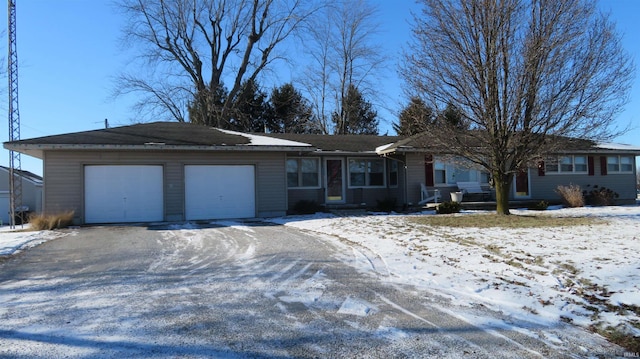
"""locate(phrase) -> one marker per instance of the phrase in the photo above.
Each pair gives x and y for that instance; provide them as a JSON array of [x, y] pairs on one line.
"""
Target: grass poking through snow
[[501, 221]]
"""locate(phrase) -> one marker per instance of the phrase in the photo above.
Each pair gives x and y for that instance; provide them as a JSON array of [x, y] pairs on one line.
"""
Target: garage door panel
[[123, 194], [218, 192]]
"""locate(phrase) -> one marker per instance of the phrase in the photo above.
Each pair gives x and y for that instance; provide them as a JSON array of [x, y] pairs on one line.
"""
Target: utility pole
[[15, 178]]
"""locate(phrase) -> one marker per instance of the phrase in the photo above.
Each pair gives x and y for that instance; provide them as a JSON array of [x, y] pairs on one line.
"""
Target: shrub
[[571, 195], [306, 207], [41, 222], [540, 206], [600, 196], [386, 205], [448, 207]]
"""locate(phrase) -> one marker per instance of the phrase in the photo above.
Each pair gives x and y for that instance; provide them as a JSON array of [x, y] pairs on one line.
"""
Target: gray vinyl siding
[[415, 176], [544, 187], [64, 177]]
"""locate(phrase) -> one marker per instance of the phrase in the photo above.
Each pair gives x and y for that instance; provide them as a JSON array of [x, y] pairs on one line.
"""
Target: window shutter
[[603, 165], [590, 164], [428, 170], [541, 168]]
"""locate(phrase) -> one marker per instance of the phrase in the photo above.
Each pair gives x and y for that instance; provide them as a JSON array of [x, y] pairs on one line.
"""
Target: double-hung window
[[567, 164], [619, 164], [366, 172], [303, 173]]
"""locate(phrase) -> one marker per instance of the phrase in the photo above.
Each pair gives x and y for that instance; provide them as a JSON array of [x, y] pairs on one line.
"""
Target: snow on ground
[[21, 238], [586, 275]]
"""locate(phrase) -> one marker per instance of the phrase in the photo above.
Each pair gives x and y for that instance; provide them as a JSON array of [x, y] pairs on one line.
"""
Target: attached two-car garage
[[135, 193]]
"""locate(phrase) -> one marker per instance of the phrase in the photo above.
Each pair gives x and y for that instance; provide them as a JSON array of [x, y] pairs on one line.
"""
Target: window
[[366, 172], [580, 164], [440, 175], [567, 164], [452, 173], [393, 173], [619, 164], [303, 173]]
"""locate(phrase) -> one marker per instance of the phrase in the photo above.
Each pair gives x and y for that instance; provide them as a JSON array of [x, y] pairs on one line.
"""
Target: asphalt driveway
[[235, 291]]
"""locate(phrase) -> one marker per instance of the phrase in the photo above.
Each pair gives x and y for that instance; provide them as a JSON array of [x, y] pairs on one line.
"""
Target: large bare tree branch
[[523, 72], [211, 42]]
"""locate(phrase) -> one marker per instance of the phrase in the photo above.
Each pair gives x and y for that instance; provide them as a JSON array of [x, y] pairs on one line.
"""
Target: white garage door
[[114, 194], [216, 192]]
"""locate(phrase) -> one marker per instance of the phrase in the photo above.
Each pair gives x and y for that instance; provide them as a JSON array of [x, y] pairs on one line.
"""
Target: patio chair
[[426, 197]]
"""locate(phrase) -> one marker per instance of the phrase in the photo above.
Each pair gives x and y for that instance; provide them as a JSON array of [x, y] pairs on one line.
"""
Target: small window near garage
[[619, 164], [303, 173], [393, 174], [366, 172]]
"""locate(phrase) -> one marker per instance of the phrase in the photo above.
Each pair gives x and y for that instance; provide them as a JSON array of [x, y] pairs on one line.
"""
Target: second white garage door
[[218, 192]]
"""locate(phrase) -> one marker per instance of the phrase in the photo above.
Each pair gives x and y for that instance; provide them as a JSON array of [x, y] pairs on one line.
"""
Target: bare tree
[[343, 51], [522, 72], [191, 49]]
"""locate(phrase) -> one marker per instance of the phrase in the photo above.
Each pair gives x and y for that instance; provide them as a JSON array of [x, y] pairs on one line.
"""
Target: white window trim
[[384, 172], [573, 165], [317, 159], [619, 171]]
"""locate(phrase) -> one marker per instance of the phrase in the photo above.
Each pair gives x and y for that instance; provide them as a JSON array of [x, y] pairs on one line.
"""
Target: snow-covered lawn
[[587, 275]]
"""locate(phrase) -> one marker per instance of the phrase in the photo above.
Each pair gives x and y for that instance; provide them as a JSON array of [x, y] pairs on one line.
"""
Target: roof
[[159, 136], [339, 143], [32, 177], [420, 143], [154, 136]]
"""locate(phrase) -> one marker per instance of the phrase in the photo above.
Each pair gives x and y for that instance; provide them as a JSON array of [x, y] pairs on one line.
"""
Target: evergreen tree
[[453, 117], [358, 116], [414, 118], [250, 109], [290, 112], [207, 107]]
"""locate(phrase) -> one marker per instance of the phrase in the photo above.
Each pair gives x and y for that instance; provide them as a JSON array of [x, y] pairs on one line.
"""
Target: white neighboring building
[[31, 193]]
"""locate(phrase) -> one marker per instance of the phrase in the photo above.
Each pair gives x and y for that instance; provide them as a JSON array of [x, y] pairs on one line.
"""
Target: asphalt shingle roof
[[168, 133]]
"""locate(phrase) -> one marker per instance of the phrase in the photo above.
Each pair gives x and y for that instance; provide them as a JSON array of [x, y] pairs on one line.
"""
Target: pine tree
[[290, 112], [357, 116], [414, 118]]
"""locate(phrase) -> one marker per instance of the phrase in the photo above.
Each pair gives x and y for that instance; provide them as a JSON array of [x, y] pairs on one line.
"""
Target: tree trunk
[[502, 184]]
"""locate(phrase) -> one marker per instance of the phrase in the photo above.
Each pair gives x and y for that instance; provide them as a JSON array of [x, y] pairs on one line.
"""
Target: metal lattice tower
[[15, 178]]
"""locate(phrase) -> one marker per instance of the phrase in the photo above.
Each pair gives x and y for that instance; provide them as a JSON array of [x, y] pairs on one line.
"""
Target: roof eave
[[32, 149]]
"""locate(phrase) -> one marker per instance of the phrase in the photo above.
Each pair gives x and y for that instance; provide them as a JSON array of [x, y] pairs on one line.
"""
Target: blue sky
[[69, 51]]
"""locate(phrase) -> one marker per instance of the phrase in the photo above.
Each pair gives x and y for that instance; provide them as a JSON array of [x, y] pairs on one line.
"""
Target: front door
[[334, 170], [522, 184]]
